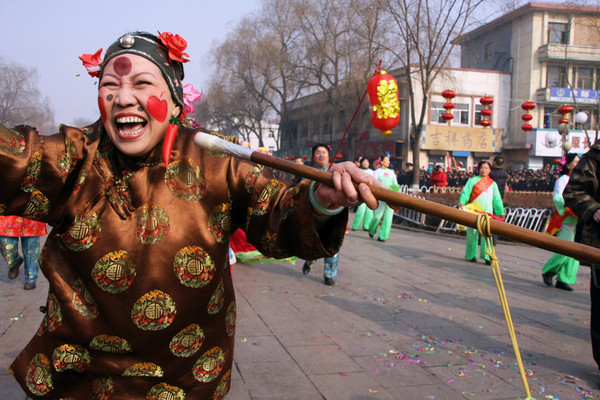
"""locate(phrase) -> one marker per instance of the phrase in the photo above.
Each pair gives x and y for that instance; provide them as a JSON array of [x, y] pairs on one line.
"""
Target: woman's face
[[364, 163], [385, 162], [135, 104], [321, 156], [484, 169]]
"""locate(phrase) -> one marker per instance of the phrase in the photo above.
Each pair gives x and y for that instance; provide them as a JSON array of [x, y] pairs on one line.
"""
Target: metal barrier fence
[[529, 218]]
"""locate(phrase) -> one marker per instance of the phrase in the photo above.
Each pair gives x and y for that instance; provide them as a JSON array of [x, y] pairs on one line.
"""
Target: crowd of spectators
[[537, 180]]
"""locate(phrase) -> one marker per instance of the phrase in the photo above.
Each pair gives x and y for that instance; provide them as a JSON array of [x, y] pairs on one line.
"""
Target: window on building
[[585, 77], [558, 32], [461, 113], [488, 51], [551, 117], [597, 79], [557, 76], [437, 110], [478, 117]]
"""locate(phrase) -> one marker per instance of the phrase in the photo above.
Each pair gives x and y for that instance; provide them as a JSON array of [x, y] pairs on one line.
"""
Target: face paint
[[102, 109], [157, 108], [122, 66], [109, 97]]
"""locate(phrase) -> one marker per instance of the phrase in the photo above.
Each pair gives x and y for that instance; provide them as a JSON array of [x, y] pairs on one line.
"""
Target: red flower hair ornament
[[92, 62], [176, 46]]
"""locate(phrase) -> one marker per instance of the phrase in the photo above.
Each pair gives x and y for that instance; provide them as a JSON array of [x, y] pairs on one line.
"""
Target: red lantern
[[565, 110], [385, 104], [486, 113], [448, 106], [527, 106]]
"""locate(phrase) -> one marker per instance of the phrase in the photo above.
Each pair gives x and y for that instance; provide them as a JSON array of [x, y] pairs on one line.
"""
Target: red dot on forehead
[[122, 66]]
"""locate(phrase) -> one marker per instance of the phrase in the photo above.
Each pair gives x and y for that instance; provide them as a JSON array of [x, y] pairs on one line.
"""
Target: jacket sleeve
[[277, 216], [39, 172], [581, 193]]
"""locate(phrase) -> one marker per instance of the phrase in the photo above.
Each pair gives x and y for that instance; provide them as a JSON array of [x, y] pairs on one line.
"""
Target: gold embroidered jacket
[[141, 303]]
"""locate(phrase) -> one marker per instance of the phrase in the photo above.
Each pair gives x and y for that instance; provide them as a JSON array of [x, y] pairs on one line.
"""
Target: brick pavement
[[407, 319]]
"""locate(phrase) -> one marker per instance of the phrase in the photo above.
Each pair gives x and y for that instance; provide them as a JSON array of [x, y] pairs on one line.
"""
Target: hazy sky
[[51, 35]]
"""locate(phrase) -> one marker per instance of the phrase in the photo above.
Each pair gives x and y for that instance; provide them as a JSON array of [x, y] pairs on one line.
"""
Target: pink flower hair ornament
[[190, 96]]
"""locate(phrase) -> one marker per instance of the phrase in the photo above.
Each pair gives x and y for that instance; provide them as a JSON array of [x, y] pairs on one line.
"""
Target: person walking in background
[[320, 156], [499, 175], [384, 213], [582, 196], [480, 195], [363, 214], [13, 228], [562, 224]]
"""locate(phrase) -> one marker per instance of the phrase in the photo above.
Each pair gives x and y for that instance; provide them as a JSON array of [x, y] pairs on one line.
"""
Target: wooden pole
[[396, 199]]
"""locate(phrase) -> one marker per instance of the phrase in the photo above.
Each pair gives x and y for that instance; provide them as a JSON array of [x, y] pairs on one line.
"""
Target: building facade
[[541, 52], [552, 52]]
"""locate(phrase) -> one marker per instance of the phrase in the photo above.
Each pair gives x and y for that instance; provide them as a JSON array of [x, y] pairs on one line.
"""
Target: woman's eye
[[142, 83]]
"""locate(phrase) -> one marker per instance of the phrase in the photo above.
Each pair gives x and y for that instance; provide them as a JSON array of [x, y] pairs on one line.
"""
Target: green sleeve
[[466, 192]]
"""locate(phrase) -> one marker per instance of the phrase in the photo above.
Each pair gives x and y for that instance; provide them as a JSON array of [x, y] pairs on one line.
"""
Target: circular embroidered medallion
[[144, 369], [11, 141], [33, 172], [83, 233], [67, 159], [217, 299], [153, 224], [223, 386], [230, 319], [110, 344], [83, 300], [185, 179], [219, 222], [252, 176], [187, 342], [209, 365], [39, 378], [71, 356], [163, 391], [194, 267], [265, 199], [102, 388], [114, 272], [38, 205], [53, 316], [153, 311]]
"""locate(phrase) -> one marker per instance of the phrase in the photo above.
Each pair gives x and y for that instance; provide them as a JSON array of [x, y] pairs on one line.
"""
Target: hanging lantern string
[[331, 162]]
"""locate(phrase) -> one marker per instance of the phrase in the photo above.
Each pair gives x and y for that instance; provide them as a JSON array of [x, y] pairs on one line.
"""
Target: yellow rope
[[484, 228]]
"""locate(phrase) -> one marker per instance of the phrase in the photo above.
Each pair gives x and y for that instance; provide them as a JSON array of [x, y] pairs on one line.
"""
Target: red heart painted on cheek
[[157, 108]]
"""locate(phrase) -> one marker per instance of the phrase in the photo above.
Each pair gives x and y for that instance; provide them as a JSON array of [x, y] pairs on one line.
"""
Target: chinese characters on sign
[[456, 138]]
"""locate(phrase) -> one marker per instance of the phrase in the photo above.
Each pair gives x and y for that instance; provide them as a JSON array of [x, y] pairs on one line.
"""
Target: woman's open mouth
[[130, 127]]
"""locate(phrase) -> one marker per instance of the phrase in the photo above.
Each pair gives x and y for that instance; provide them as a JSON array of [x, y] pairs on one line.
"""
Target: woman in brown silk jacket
[[582, 196], [141, 303]]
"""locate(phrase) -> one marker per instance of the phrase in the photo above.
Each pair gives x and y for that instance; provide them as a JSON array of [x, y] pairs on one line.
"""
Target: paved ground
[[407, 319]]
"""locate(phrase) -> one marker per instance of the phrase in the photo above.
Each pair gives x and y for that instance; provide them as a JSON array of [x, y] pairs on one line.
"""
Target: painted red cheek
[[102, 109], [122, 66], [157, 108]]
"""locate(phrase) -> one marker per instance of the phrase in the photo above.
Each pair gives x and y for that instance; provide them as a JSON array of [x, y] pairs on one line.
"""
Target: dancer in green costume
[[562, 224], [388, 177], [482, 194], [363, 212]]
